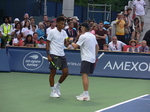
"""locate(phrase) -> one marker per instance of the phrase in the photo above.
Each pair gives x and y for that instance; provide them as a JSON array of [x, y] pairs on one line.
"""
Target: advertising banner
[[111, 64]]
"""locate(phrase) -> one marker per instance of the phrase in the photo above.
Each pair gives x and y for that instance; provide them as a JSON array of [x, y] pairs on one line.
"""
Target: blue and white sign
[[112, 64], [32, 61]]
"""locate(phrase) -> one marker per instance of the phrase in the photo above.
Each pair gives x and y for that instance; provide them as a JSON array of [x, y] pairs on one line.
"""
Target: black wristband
[[47, 51]]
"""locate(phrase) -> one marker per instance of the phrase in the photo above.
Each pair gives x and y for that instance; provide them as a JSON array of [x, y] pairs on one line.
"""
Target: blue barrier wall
[[112, 64], [4, 63]]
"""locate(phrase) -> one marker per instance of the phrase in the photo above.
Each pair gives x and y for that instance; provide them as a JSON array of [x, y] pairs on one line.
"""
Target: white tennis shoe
[[54, 94], [57, 90], [83, 97]]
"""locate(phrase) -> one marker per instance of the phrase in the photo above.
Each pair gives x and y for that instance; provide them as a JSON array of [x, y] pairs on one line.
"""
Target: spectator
[[10, 20], [70, 31], [94, 29], [40, 30], [35, 39], [15, 22], [26, 18], [116, 45], [32, 23], [136, 29], [45, 19], [129, 17], [41, 43], [144, 47], [75, 19], [139, 10], [127, 28], [69, 19], [29, 41], [147, 37], [108, 29], [72, 34], [26, 30], [18, 41], [6, 31], [52, 26], [48, 23], [101, 35], [33, 28], [91, 22], [16, 30], [76, 26], [120, 31], [105, 47], [133, 47]]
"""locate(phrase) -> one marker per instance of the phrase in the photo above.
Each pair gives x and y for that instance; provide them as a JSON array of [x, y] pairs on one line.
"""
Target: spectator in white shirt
[[41, 43], [16, 30], [52, 26], [139, 10], [15, 22], [26, 29], [116, 45]]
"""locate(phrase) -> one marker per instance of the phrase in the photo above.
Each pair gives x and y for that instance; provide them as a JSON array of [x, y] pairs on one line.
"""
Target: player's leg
[[51, 82], [51, 77], [64, 75], [85, 81], [85, 70]]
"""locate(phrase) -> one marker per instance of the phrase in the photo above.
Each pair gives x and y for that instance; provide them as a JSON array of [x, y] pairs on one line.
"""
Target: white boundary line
[[121, 103]]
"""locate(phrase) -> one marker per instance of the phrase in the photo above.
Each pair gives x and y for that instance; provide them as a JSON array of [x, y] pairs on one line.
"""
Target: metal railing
[[107, 13]]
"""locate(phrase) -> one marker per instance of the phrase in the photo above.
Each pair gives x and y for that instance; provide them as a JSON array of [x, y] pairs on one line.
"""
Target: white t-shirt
[[56, 39], [19, 31], [41, 45], [116, 47], [27, 31], [87, 43], [139, 5], [15, 41]]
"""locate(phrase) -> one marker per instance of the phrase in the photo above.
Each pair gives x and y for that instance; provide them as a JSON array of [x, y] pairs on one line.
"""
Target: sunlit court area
[[74, 56]]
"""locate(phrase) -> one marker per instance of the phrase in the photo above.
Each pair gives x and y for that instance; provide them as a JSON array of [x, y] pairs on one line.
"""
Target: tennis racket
[[98, 58], [56, 62]]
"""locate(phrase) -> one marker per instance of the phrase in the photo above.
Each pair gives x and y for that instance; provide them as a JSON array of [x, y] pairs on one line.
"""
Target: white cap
[[41, 37], [75, 17], [16, 19]]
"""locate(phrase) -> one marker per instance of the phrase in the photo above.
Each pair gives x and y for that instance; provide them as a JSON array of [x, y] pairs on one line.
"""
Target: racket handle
[[101, 55], [44, 57]]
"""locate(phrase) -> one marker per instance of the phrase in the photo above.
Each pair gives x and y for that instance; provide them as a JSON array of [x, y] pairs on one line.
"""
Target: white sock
[[57, 84], [86, 93], [52, 88]]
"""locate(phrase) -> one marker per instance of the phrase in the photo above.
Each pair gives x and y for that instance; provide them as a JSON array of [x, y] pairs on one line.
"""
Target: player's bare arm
[[47, 50]]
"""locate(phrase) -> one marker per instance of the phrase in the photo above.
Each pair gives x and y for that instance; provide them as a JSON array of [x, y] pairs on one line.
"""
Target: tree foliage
[[117, 5]]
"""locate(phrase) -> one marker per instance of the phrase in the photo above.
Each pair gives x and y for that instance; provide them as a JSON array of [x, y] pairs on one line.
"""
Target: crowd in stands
[[128, 30]]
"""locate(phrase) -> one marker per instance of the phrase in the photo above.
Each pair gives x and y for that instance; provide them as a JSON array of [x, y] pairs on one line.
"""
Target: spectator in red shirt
[[18, 41]]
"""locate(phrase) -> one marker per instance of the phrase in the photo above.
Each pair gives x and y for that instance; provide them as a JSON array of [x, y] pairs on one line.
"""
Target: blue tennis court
[[139, 104]]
